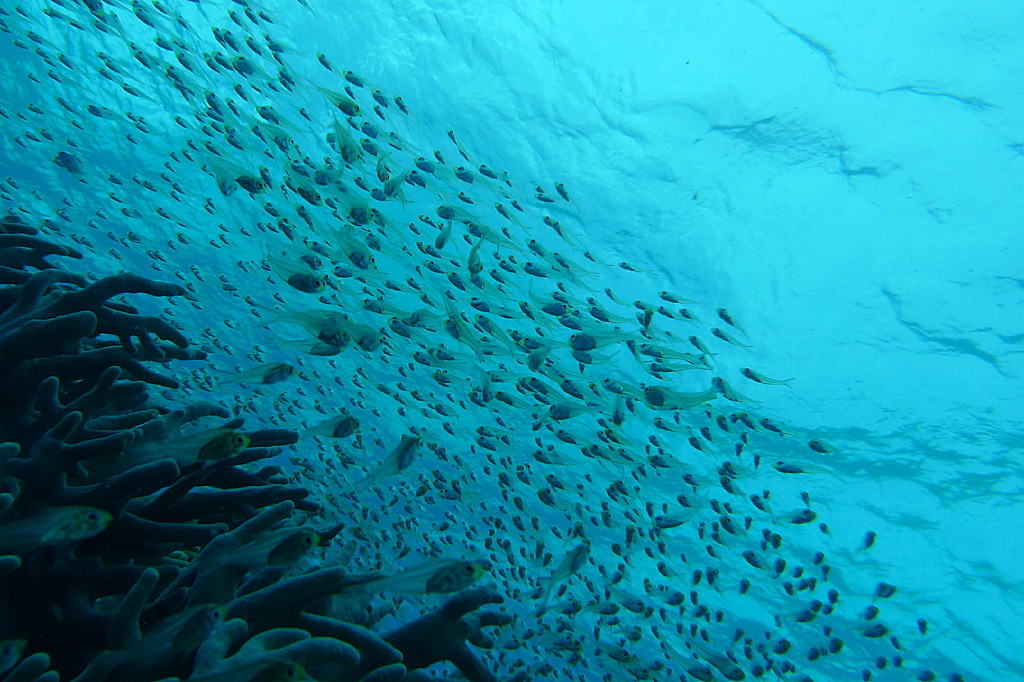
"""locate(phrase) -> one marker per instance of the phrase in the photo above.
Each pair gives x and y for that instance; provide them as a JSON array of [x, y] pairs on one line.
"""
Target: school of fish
[[479, 396]]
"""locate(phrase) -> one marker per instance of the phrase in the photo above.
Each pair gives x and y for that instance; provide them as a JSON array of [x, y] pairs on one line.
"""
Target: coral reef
[[134, 551]]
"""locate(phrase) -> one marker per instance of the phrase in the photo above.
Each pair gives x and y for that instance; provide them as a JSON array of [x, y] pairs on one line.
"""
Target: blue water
[[844, 181]]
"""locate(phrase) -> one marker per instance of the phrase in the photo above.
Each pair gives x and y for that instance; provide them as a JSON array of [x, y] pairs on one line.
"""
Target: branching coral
[[132, 552]]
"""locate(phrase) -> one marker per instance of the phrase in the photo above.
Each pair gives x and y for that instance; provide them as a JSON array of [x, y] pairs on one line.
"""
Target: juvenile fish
[[440, 577], [399, 459], [569, 566], [56, 526]]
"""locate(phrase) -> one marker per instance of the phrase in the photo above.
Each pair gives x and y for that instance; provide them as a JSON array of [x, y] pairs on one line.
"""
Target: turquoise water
[[834, 190]]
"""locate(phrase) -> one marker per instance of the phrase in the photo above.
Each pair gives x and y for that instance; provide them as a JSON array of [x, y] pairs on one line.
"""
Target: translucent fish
[[393, 187], [293, 547], [68, 162], [448, 212], [297, 267], [663, 353], [399, 460], [342, 426], [668, 521], [537, 357], [661, 398], [176, 635], [671, 297], [762, 379], [343, 143], [820, 446], [194, 628], [270, 373], [441, 577], [224, 445], [727, 391], [723, 664], [570, 565], [345, 104], [800, 468], [207, 445], [328, 326], [56, 526], [726, 317], [274, 548], [589, 340], [724, 336], [561, 412], [230, 177]]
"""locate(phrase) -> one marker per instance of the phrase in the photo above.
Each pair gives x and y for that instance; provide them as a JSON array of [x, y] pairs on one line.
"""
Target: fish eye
[[469, 569], [93, 516], [239, 440]]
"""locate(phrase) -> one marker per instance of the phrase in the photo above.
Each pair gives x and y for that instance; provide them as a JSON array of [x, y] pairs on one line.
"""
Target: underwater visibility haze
[[594, 341]]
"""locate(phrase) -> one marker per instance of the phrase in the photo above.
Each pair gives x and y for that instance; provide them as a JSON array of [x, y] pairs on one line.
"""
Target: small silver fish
[[396, 462], [442, 577], [55, 526]]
